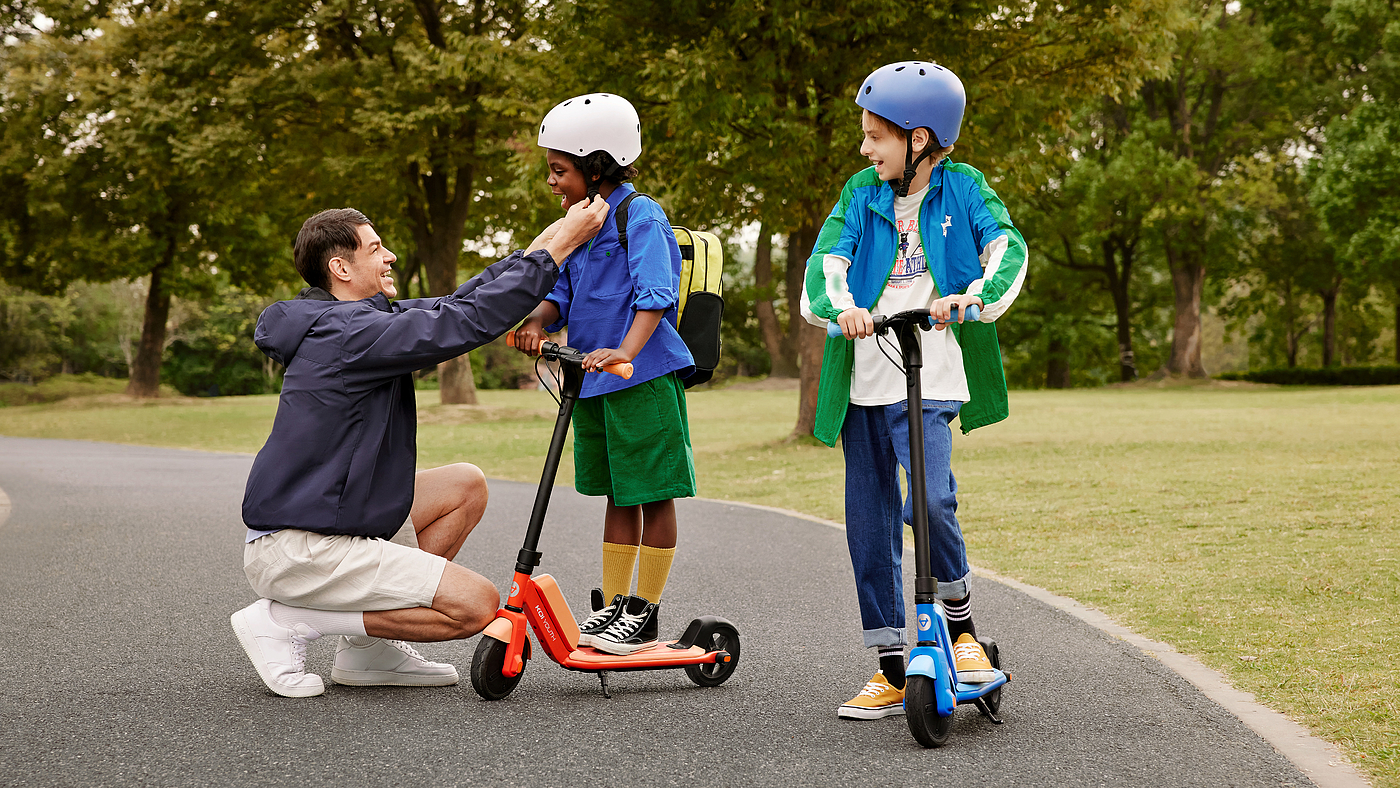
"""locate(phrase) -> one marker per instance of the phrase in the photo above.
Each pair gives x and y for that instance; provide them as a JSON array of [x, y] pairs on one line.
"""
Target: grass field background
[[1257, 528]]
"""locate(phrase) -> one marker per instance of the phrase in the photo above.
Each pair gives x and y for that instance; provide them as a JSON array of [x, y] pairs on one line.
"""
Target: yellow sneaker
[[971, 661], [877, 699]]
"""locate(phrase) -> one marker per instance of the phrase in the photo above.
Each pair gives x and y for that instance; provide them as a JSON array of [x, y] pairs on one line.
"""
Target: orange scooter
[[708, 650]]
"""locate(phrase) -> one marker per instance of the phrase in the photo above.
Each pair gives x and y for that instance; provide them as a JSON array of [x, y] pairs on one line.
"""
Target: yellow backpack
[[701, 309]]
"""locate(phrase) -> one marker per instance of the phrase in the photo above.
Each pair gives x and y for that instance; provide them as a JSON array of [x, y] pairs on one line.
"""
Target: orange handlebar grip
[[510, 338], [622, 370]]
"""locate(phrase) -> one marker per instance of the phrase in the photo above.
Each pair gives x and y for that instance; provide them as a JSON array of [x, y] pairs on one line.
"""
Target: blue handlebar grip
[[973, 312], [833, 329]]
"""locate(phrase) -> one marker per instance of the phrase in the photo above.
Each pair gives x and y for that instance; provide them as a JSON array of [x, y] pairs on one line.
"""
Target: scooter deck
[[966, 693], [658, 656]]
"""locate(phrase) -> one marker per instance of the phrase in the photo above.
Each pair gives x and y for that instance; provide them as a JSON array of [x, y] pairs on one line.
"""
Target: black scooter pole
[[568, 397], [925, 585]]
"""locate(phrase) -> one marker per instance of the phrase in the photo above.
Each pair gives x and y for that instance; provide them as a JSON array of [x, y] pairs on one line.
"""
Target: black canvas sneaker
[[601, 617], [633, 630]]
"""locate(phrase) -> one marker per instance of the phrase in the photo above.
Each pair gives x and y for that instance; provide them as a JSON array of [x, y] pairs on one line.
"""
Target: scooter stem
[[568, 397], [925, 585]]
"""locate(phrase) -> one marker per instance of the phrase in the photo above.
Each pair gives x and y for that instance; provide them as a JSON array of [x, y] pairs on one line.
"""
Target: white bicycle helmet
[[597, 121]]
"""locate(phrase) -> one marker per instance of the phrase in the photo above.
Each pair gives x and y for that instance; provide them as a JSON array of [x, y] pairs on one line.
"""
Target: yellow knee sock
[[618, 560], [652, 570]]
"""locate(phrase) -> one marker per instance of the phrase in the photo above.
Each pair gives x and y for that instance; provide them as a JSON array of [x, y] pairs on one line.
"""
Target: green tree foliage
[[123, 160], [407, 111]]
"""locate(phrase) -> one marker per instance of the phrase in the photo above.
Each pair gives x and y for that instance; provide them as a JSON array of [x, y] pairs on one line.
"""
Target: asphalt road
[[119, 567]]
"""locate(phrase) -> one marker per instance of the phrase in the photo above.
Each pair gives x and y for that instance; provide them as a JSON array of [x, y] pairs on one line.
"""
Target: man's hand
[[603, 357], [856, 323], [941, 310], [581, 223], [545, 237]]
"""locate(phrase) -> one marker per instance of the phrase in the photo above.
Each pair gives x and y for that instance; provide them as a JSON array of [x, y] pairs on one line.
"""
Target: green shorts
[[633, 445]]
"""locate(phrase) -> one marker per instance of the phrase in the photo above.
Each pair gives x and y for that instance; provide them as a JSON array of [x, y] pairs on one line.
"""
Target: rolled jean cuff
[[954, 590], [884, 636]]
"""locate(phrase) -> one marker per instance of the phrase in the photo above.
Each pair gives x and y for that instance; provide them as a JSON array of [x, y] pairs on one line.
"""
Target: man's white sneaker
[[363, 661], [277, 652]]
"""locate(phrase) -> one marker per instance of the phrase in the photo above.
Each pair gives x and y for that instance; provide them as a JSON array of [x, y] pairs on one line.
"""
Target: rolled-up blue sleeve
[[654, 260]]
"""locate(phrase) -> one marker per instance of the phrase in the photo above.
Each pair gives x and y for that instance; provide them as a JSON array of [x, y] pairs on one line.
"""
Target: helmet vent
[[901, 68], [867, 90], [588, 101], [922, 73], [567, 103]]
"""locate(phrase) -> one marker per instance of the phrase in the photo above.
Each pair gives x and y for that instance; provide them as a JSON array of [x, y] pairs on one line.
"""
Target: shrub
[[1326, 376]]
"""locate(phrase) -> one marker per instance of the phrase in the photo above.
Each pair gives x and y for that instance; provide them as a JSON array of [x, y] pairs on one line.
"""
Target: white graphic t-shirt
[[874, 379]]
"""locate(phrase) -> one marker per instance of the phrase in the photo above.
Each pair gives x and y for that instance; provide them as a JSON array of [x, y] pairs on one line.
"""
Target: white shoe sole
[[867, 713], [621, 649], [388, 678], [584, 641], [976, 676], [250, 647]]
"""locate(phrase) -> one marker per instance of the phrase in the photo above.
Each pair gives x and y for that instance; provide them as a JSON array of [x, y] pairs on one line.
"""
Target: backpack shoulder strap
[[620, 217]]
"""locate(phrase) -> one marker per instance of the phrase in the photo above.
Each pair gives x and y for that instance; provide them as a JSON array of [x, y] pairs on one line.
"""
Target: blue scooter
[[931, 689]]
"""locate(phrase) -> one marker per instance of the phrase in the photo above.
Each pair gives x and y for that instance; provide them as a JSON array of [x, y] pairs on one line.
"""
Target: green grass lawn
[[1257, 528]]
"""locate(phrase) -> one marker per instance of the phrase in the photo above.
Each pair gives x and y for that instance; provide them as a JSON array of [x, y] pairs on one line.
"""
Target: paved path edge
[[1323, 762]]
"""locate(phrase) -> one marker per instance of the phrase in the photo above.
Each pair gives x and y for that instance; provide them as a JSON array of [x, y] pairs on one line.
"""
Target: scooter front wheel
[[921, 712], [723, 637], [487, 678]]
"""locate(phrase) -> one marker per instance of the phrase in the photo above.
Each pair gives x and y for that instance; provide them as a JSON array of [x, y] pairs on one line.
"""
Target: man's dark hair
[[327, 234], [601, 163]]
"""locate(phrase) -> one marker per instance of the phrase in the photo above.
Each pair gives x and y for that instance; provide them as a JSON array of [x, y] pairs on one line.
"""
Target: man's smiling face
[[370, 266]]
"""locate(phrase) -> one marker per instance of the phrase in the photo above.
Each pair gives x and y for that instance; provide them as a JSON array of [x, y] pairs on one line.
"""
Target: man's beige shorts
[[337, 572]]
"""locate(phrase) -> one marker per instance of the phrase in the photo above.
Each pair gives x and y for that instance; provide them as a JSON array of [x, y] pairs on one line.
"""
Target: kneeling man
[[333, 503]]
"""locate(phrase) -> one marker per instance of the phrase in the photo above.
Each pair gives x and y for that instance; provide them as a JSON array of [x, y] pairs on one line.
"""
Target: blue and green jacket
[[981, 253]]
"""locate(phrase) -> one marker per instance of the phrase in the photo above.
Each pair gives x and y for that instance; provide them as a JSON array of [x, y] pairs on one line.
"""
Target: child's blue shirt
[[601, 287]]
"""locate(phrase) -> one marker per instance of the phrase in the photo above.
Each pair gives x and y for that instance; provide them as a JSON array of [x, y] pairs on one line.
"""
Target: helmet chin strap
[[593, 186], [911, 165]]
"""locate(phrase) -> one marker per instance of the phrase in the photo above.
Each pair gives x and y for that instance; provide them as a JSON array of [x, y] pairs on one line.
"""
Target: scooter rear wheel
[[921, 712], [723, 637], [993, 698], [487, 662]]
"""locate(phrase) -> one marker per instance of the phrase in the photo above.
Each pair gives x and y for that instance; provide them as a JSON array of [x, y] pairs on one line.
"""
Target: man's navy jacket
[[341, 456]]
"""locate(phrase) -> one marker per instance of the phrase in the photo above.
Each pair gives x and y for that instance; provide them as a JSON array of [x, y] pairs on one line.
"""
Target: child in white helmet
[[912, 231], [631, 437]]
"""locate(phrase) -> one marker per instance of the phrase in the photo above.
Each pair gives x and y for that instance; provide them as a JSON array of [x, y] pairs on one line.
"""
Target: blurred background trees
[[1205, 186]]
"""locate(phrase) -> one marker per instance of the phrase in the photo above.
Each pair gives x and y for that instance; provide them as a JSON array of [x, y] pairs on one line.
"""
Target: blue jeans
[[875, 440]]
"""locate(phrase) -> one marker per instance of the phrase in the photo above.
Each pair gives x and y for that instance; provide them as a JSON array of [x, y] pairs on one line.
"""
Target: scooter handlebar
[[833, 329], [556, 352]]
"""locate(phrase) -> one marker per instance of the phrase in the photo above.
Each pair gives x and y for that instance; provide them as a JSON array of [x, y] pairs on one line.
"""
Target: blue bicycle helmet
[[916, 94]]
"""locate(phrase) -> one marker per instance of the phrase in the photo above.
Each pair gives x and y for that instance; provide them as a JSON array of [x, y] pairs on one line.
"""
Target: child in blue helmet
[[912, 231]]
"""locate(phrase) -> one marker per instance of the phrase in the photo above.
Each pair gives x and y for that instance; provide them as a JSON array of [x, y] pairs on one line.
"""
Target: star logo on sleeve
[[947, 222]]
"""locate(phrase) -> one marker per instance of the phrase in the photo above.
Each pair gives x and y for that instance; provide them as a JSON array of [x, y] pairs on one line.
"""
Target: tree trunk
[[438, 217], [1057, 370], [1188, 282], [781, 365], [797, 250], [813, 345], [1397, 324], [1329, 324], [1119, 278], [810, 339], [145, 370]]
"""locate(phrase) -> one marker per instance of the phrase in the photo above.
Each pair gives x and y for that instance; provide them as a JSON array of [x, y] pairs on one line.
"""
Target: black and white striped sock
[[892, 665], [959, 612]]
